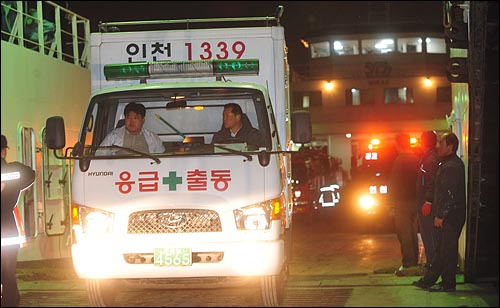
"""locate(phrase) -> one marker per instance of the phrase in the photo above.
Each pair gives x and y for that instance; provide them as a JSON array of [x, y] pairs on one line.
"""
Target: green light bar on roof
[[173, 69]]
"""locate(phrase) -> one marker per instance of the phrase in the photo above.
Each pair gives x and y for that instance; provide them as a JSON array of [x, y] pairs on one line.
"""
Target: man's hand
[[438, 222], [426, 208]]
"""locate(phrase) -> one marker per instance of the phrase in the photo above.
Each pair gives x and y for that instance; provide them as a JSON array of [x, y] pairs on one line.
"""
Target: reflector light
[[172, 69], [383, 189], [371, 156], [11, 176]]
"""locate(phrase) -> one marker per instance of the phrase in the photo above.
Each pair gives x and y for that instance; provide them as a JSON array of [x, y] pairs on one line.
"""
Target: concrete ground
[[331, 266]]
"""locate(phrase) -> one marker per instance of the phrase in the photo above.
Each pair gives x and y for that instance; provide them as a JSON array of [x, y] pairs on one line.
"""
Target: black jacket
[[250, 135], [403, 177], [11, 192], [425, 179], [449, 187]]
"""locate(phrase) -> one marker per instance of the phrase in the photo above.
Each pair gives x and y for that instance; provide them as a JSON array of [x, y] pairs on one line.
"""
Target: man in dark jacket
[[16, 177], [403, 191], [237, 129], [448, 210], [425, 194]]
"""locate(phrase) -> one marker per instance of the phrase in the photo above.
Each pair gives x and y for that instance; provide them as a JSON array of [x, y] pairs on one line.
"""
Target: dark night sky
[[299, 18]]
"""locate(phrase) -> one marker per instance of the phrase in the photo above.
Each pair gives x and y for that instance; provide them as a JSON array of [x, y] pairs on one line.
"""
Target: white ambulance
[[199, 211]]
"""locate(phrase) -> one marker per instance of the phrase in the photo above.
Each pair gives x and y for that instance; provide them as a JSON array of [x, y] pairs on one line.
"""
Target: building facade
[[366, 82]]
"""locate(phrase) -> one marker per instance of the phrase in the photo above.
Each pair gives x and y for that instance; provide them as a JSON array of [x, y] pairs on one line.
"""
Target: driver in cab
[[235, 129], [133, 135]]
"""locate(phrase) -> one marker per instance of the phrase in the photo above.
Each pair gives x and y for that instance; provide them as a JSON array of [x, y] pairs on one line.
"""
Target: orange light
[[329, 86], [278, 206], [75, 215], [367, 202], [375, 141], [427, 82], [304, 43]]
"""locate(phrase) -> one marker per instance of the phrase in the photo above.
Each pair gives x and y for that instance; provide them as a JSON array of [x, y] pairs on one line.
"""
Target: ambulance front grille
[[174, 221]]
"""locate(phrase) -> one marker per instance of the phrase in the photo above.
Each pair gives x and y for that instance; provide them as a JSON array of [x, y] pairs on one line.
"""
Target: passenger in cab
[[132, 135], [237, 127]]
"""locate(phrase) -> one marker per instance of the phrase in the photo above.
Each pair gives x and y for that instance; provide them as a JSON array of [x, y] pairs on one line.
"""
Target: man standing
[[16, 177], [448, 210], [403, 192], [425, 193]]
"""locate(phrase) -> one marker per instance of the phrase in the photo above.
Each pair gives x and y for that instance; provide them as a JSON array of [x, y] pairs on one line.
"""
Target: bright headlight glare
[[367, 202], [254, 217], [95, 221]]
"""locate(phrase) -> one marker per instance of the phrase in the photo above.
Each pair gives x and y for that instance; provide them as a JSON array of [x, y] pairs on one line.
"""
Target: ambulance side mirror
[[264, 158], [55, 136]]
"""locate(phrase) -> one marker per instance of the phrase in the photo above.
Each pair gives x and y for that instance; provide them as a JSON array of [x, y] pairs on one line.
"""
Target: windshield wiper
[[247, 156], [170, 125], [156, 159]]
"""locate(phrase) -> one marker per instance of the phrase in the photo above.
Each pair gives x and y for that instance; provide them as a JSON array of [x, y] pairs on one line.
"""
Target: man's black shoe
[[422, 284], [441, 288]]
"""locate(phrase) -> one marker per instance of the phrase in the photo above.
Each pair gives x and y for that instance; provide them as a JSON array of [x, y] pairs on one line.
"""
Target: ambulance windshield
[[184, 119]]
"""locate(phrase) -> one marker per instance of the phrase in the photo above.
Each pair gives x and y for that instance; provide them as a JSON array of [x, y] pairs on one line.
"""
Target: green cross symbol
[[172, 180]]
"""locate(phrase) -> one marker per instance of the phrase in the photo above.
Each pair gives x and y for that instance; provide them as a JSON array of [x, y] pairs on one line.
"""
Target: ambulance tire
[[272, 288], [101, 292]]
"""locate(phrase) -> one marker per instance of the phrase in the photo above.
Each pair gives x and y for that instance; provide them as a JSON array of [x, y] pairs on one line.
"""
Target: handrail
[[112, 26], [63, 35]]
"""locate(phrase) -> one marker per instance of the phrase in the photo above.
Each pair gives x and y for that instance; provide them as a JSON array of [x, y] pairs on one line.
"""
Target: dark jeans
[[406, 229], [446, 259], [10, 293], [429, 235]]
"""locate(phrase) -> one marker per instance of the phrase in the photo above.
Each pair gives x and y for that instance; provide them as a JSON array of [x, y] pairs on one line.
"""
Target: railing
[[197, 22], [189, 23], [63, 34]]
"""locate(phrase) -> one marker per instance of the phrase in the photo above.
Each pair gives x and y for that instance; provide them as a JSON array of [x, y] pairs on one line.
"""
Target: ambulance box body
[[199, 210]]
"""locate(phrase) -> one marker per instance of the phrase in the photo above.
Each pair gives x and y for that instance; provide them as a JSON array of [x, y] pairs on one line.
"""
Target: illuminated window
[[435, 45], [402, 95], [410, 45], [377, 46], [306, 99], [346, 47], [320, 50], [357, 97]]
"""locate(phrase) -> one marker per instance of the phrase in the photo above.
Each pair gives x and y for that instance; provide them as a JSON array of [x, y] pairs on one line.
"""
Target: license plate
[[173, 257]]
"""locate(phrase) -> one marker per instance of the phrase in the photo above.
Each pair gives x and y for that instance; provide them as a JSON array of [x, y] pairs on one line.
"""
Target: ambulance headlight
[[254, 217], [94, 221]]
